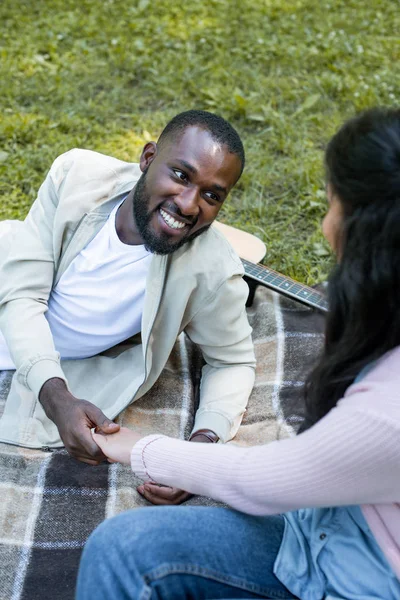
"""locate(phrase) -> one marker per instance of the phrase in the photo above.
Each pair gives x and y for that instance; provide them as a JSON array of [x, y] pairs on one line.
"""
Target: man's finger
[[88, 461], [108, 426], [89, 447], [102, 423], [83, 456], [87, 454]]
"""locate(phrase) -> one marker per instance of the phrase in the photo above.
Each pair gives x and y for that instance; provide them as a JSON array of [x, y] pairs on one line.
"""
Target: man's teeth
[[171, 221]]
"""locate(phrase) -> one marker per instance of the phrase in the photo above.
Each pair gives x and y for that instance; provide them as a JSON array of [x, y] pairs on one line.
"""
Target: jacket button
[[322, 536]]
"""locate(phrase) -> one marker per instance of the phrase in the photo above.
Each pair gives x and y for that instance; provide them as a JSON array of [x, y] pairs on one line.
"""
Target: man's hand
[[165, 495], [74, 419]]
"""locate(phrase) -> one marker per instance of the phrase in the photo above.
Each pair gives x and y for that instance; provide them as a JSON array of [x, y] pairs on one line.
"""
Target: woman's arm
[[349, 457]]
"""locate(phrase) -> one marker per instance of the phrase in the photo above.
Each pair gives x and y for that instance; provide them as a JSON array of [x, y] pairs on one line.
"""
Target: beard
[[156, 243]]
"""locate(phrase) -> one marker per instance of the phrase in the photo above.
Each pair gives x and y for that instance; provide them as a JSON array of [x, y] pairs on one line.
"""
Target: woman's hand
[[162, 495], [117, 446]]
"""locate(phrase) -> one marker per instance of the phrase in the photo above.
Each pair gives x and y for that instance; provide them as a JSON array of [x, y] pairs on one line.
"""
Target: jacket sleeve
[[222, 332], [27, 269]]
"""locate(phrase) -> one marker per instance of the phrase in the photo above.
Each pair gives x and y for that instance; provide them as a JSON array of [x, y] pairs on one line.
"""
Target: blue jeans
[[179, 553]]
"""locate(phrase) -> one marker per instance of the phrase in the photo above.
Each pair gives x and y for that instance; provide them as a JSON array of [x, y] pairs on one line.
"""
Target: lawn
[[108, 75]]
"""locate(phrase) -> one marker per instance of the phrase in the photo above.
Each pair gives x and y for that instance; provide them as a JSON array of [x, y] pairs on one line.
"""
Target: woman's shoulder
[[378, 386], [385, 369]]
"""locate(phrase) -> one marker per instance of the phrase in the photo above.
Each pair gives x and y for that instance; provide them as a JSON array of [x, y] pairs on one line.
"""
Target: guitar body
[[245, 244]]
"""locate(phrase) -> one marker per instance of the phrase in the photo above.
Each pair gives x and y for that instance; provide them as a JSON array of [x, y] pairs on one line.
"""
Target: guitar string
[[285, 284]]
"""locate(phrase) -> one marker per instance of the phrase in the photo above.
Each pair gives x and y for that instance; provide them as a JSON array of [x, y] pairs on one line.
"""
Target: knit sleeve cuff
[[139, 451]]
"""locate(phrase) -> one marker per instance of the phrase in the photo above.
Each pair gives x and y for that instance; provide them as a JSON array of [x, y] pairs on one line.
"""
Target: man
[[112, 251]]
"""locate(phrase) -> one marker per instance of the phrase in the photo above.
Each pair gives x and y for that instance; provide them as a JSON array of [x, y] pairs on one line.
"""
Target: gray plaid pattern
[[51, 503]]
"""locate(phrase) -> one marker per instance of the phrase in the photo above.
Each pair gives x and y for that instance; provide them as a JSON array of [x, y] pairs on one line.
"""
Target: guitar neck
[[285, 285]]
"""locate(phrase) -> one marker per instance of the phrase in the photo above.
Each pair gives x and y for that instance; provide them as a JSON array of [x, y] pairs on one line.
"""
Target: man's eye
[[180, 174], [212, 197]]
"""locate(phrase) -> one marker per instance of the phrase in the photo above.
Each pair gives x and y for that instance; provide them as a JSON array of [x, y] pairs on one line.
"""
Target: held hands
[[118, 446], [74, 419]]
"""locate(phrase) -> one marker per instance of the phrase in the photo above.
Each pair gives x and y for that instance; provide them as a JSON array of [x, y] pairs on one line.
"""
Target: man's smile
[[172, 221], [177, 224]]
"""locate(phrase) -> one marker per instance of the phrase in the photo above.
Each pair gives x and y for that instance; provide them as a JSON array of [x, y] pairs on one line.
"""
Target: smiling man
[[112, 252]]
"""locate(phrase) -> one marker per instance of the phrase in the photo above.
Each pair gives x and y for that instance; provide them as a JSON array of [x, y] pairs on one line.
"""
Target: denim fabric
[[331, 553], [179, 553]]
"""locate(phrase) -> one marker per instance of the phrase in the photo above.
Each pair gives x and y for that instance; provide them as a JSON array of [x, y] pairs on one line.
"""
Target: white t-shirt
[[98, 301]]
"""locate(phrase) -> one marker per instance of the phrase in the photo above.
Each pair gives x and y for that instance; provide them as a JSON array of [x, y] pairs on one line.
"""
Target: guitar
[[251, 251], [284, 285]]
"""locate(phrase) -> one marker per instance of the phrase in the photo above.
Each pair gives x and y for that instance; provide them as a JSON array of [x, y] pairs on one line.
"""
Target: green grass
[[108, 75]]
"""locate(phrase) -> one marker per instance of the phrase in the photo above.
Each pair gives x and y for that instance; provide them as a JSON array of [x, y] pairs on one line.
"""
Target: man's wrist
[[204, 436], [50, 391]]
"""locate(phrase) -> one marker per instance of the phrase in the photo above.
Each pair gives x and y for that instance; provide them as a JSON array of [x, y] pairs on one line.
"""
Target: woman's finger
[[152, 497]]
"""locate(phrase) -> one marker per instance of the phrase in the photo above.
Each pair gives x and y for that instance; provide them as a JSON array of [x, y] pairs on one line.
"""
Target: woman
[[284, 542]]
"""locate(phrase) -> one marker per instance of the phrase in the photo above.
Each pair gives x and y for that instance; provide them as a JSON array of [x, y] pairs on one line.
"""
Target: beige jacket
[[198, 289]]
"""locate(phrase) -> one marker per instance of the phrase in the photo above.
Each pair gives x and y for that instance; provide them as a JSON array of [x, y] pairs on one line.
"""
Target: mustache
[[175, 211]]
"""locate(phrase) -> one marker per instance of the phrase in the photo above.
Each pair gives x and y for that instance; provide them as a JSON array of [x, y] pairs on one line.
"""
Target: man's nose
[[188, 201]]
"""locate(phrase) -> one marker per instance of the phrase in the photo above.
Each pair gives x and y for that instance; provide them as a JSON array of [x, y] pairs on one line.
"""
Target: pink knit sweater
[[351, 457]]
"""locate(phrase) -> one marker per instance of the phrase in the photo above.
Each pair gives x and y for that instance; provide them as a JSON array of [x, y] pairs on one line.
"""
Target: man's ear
[[149, 153]]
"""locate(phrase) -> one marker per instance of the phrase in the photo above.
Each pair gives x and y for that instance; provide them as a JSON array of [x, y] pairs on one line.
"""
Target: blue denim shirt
[[330, 553]]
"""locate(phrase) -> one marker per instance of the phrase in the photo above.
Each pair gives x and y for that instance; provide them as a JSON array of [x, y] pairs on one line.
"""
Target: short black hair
[[221, 131]]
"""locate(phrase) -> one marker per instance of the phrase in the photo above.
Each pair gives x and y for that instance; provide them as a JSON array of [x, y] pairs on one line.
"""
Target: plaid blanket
[[51, 503]]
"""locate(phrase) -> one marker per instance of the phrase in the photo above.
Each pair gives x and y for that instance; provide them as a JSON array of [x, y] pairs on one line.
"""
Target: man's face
[[183, 186]]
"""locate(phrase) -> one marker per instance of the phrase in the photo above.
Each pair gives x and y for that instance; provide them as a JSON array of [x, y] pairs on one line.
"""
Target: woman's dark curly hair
[[363, 169]]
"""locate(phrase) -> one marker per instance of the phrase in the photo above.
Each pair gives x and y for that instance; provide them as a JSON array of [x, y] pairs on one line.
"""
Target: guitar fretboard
[[285, 285]]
